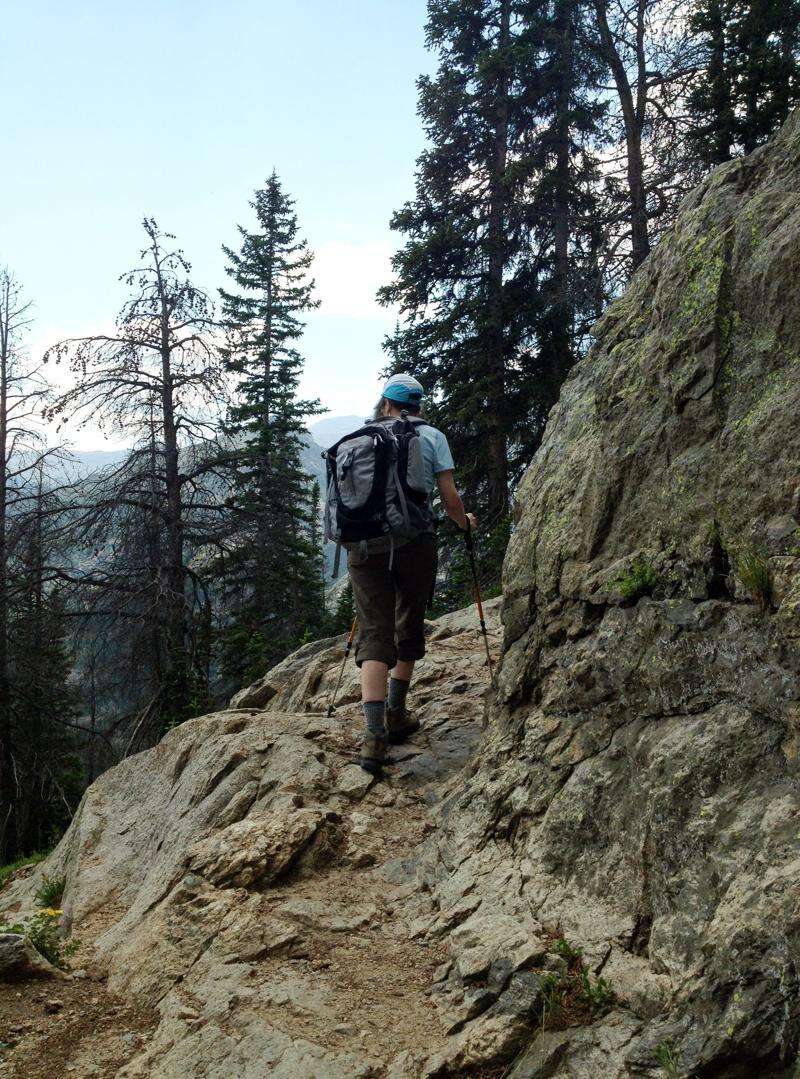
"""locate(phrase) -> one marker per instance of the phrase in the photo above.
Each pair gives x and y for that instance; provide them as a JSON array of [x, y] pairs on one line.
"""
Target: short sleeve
[[443, 458]]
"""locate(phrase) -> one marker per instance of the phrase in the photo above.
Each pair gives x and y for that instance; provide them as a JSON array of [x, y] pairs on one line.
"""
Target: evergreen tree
[[48, 778], [273, 573], [344, 612], [492, 280], [45, 700], [751, 75], [37, 775]]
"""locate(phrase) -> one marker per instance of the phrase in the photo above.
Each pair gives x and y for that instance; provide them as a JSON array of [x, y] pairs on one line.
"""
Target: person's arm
[[451, 500]]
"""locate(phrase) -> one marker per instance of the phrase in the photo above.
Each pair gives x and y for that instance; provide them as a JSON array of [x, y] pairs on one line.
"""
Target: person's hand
[[472, 522]]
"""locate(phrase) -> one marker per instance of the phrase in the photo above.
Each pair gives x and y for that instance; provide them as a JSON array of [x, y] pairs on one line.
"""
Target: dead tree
[[158, 383]]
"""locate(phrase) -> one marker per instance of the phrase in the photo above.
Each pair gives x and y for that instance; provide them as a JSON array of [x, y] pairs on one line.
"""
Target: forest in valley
[[560, 139]]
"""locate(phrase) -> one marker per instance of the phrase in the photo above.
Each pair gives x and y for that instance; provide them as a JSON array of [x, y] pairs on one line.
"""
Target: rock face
[[639, 789]]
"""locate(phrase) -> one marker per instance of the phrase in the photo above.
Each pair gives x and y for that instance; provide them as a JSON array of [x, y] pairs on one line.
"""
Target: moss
[[640, 580]]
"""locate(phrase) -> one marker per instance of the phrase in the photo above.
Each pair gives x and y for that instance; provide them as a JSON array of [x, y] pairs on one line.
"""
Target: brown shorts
[[390, 604]]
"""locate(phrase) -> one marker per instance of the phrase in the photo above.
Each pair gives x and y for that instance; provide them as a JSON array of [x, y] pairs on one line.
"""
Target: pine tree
[[273, 571], [751, 75], [490, 282], [47, 770], [344, 612]]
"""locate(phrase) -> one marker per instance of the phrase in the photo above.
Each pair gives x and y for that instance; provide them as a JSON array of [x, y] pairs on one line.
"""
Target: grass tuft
[[667, 1061], [51, 891], [756, 576]]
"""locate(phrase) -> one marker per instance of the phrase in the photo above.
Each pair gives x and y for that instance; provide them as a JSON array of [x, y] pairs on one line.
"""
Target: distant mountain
[[311, 460], [83, 462], [331, 428]]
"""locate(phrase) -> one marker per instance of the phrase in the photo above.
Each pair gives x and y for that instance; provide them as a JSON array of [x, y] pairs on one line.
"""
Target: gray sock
[[374, 712], [398, 691]]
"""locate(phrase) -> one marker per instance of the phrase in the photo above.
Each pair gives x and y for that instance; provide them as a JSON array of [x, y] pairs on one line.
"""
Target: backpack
[[376, 486]]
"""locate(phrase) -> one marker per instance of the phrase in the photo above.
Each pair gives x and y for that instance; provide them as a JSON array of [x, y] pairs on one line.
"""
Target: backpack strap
[[402, 496]]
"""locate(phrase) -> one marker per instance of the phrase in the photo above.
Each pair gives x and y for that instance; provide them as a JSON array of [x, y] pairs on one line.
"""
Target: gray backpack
[[376, 486]]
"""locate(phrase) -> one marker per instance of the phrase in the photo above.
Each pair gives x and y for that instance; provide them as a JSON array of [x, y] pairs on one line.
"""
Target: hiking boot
[[400, 725], [373, 751]]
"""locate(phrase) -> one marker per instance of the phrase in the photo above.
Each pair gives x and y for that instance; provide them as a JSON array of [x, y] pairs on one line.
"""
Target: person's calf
[[373, 679]]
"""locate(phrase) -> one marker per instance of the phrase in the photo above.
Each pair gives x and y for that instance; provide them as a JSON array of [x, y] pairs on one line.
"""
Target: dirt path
[[346, 990]]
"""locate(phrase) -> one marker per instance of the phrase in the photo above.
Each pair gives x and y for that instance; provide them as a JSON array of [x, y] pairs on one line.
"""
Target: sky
[[179, 110]]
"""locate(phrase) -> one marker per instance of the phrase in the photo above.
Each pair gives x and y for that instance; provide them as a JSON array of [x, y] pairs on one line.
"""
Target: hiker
[[392, 575]]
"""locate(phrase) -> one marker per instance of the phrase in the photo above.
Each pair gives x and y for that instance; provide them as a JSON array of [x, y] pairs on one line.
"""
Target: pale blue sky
[[179, 110]]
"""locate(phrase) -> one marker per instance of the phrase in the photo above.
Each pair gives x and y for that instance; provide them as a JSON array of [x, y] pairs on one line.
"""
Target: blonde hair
[[380, 408]]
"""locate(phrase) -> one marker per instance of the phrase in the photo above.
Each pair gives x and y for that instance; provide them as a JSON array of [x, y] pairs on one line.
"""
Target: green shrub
[[51, 891], [42, 930], [640, 580], [756, 576]]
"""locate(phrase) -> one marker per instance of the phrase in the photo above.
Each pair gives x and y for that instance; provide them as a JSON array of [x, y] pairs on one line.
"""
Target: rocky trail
[[277, 945]]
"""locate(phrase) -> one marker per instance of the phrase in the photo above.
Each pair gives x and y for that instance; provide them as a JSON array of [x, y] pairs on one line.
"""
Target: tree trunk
[[633, 118], [177, 673], [722, 135], [562, 308], [497, 470], [261, 598]]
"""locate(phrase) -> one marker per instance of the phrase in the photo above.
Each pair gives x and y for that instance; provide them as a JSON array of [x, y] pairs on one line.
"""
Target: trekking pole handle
[[468, 535]]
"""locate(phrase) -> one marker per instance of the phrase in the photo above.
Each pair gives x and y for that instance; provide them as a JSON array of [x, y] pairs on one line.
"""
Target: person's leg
[[374, 596], [373, 679], [415, 575], [399, 682]]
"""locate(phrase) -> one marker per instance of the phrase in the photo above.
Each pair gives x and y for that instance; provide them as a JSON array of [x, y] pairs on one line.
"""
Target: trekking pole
[[347, 647], [478, 600]]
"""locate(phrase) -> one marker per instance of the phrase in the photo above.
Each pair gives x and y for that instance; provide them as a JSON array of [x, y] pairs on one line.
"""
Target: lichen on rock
[[638, 791]]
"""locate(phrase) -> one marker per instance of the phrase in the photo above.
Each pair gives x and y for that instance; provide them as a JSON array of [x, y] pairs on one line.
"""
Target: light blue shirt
[[435, 453]]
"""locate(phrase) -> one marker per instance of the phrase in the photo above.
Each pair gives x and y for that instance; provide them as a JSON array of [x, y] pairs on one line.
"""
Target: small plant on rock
[[573, 996], [42, 931], [667, 1061], [640, 580], [51, 891], [596, 991], [756, 576], [567, 951]]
